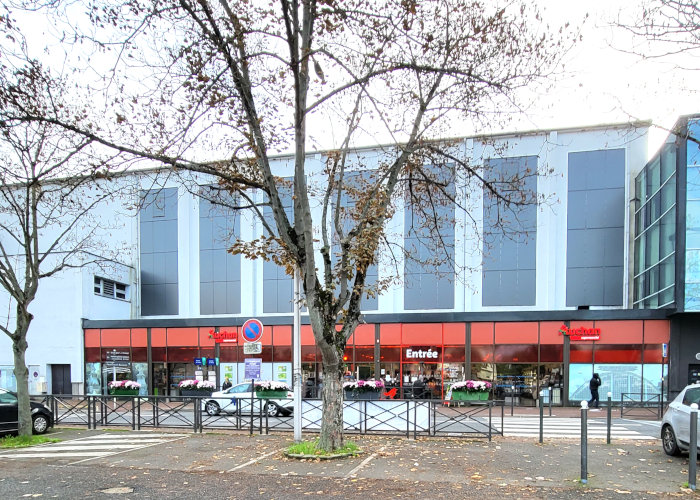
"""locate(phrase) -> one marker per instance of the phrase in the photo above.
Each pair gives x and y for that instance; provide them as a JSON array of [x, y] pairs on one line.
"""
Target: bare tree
[[47, 192], [671, 26], [219, 87]]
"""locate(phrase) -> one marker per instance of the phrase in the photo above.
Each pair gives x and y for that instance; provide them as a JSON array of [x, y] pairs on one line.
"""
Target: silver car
[[238, 399], [675, 426]]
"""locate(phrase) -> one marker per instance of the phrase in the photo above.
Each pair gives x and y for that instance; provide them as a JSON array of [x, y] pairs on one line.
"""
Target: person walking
[[593, 385]]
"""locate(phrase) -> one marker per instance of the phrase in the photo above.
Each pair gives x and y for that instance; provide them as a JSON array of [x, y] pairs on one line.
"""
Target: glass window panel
[[282, 353], [454, 354], [620, 379], [652, 246], [653, 353], [639, 187], [228, 354], [92, 354], [482, 354], [364, 354], [93, 385], [581, 353], [551, 353], [653, 378], [308, 353], [139, 354], [693, 183], [653, 176], [516, 353], [579, 376], [668, 161], [618, 353], [390, 354], [693, 148], [668, 194], [182, 354]]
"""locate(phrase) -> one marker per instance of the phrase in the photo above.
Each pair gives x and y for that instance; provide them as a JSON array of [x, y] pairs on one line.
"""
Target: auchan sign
[[580, 333], [223, 336]]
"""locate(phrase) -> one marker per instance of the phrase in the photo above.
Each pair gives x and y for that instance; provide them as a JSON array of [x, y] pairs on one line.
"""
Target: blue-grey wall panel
[[158, 244], [510, 235], [595, 233], [220, 272], [274, 276]]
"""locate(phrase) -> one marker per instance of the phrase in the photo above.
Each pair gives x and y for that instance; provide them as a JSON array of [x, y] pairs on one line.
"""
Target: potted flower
[[271, 389], [123, 388], [363, 389], [470, 390], [196, 388]]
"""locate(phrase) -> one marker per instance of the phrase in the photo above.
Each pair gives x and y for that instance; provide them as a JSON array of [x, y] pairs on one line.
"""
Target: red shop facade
[[519, 353]]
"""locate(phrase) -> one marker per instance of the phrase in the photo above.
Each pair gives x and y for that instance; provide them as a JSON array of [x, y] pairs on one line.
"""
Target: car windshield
[[7, 397], [691, 396]]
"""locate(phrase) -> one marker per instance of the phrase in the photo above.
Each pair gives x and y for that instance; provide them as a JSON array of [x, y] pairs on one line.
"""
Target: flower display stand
[[123, 392], [362, 396], [271, 394], [193, 392]]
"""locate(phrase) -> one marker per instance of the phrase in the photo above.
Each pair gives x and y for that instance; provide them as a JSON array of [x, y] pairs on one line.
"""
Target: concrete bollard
[[584, 442], [693, 447], [609, 415]]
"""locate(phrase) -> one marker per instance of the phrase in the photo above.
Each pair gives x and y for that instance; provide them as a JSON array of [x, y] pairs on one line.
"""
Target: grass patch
[[24, 441], [310, 448]]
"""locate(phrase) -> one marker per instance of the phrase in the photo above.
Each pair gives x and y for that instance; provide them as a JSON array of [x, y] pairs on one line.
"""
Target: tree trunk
[[331, 437], [19, 348]]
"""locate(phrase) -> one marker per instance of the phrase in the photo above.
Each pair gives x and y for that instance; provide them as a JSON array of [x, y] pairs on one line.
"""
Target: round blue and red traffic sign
[[252, 330]]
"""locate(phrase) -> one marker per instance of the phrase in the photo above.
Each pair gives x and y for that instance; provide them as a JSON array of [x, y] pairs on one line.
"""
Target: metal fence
[[482, 419], [638, 405]]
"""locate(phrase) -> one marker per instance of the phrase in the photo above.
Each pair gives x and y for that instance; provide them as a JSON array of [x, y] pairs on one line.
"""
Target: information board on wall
[[252, 368]]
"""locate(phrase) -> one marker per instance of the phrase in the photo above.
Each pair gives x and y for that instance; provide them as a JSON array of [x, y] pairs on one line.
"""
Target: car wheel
[[40, 424], [668, 440], [212, 408], [272, 409]]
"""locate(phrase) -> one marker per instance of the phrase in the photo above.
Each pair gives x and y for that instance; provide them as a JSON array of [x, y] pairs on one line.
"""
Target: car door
[[681, 413], [8, 411], [238, 395]]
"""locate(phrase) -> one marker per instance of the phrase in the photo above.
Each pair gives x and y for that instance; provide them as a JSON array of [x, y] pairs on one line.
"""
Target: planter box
[[123, 392], [357, 396], [465, 396], [483, 396], [194, 392], [271, 394]]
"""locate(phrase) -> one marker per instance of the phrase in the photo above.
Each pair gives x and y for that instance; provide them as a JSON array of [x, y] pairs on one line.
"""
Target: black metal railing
[[414, 417], [638, 405]]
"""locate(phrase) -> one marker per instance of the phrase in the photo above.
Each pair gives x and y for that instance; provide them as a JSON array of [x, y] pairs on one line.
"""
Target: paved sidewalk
[[254, 467]]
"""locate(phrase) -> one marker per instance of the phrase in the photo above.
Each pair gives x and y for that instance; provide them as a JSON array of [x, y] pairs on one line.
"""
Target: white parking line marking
[[251, 462], [363, 463]]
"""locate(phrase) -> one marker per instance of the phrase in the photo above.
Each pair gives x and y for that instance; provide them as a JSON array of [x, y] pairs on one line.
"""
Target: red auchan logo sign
[[223, 336], [580, 333]]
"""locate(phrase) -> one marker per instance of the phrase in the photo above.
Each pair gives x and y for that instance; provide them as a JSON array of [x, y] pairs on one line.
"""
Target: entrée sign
[[580, 333], [223, 336], [421, 354]]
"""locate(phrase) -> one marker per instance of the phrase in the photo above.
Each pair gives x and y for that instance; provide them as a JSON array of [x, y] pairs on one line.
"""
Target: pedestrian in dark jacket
[[593, 385], [226, 384]]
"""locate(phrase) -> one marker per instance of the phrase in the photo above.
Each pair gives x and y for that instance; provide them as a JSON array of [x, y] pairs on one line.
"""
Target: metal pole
[[609, 415], [296, 342], [512, 399], [550, 401], [693, 451], [252, 405], [541, 417], [584, 442]]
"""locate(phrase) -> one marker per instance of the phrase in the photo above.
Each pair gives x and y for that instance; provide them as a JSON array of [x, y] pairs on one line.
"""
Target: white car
[[239, 396], [675, 426]]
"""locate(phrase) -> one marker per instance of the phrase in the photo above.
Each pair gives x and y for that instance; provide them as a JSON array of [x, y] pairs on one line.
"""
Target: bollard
[[609, 415], [584, 442], [693, 447], [512, 399], [541, 417], [550, 401]]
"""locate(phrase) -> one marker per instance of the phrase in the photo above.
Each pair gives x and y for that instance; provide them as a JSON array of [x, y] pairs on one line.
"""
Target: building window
[[109, 288]]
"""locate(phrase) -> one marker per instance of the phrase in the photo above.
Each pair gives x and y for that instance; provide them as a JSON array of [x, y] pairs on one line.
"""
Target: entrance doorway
[[60, 379]]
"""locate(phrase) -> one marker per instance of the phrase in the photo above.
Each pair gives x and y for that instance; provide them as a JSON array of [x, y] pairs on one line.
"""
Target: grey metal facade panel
[[158, 244], [595, 232], [510, 238]]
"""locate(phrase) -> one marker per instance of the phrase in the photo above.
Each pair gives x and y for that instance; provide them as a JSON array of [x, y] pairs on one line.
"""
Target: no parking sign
[[252, 330]]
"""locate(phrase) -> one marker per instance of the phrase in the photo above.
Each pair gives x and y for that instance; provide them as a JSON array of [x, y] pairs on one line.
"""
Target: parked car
[[675, 425], [42, 417], [239, 396]]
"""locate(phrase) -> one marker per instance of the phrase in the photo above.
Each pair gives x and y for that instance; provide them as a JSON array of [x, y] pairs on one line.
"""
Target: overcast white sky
[[603, 84]]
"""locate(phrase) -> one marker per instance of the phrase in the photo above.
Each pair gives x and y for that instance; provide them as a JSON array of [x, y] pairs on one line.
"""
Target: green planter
[[271, 394], [194, 392], [469, 396], [483, 396], [366, 396], [123, 392]]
